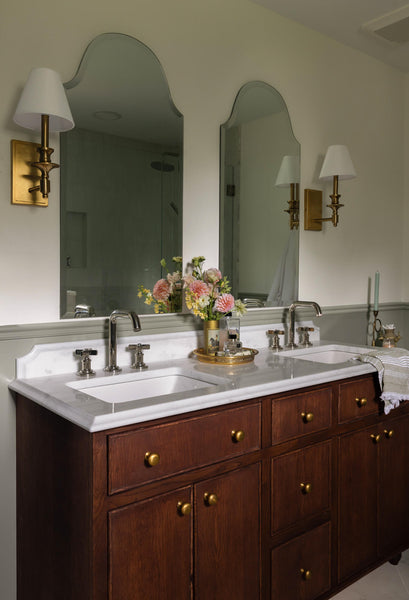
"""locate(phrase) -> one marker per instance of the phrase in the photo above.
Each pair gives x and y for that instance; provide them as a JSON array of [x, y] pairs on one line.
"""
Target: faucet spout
[[291, 334], [112, 343]]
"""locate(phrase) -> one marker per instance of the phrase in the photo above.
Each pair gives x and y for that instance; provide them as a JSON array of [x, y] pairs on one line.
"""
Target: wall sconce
[[43, 106], [289, 176], [337, 165]]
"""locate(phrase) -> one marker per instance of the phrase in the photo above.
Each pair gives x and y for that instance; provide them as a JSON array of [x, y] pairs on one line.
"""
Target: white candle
[[376, 294]]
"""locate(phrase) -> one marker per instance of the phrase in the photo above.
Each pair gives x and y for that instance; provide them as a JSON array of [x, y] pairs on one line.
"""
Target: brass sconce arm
[[293, 206], [44, 164], [335, 204], [289, 176], [313, 208]]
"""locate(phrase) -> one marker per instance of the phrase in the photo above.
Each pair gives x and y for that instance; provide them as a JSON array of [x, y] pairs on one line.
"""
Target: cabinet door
[[227, 548], [150, 549], [393, 515], [357, 497]]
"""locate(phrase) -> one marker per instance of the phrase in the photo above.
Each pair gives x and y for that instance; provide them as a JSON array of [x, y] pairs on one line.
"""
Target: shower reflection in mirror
[[258, 242]]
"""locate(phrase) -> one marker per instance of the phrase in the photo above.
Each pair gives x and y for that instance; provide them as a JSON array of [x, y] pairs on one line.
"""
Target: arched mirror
[[260, 164], [121, 178]]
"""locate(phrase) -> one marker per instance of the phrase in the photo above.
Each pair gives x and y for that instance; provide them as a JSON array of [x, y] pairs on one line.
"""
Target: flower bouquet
[[166, 295], [207, 295]]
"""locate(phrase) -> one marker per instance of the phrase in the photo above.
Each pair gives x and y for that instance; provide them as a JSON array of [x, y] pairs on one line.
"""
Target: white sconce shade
[[44, 94], [338, 162], [289, 171]]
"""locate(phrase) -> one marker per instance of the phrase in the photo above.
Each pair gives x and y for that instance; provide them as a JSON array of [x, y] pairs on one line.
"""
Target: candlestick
[[376, 294], [376, 327]]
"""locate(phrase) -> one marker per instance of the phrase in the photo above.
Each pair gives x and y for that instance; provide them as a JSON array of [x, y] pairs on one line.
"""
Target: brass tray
[[225, 360]]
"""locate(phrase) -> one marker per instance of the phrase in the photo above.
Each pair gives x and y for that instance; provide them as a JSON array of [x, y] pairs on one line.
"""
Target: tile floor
[[385, 583]]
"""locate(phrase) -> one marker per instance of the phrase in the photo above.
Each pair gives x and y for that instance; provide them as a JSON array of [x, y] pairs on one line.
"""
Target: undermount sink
[[331, 354], [331, 357], [137, 386]]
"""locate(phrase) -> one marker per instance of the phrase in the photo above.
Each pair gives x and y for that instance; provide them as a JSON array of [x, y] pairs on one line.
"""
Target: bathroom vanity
[[285, 495]]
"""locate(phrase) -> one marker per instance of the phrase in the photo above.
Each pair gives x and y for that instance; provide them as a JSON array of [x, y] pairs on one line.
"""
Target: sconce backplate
[[312, 210], [24, 175]]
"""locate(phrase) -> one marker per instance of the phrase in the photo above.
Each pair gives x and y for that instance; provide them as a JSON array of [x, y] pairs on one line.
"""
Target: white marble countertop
[[270, 373]]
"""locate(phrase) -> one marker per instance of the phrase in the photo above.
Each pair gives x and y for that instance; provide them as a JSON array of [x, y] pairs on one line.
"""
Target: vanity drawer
[[301, 484], [181, 446], [357, 399], [300, 569], [301, 414]]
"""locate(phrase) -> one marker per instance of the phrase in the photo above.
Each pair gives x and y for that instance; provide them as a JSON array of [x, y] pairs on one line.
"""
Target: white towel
[[392, 365]]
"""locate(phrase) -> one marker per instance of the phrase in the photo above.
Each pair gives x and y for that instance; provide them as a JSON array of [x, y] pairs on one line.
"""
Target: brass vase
[[211, 332]]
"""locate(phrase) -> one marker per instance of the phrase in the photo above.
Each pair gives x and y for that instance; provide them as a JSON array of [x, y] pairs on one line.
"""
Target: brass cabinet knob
[[305, 488], [375, 438], [388, 433], [361, 401], [307, 417], [184, 508], [237, 436], [210, 499], [152, 459], [305, 574]]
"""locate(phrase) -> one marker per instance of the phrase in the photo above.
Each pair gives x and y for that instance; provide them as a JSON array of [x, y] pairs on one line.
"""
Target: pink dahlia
[[212, 275], [224, 303], [161, 290], [199, 288]]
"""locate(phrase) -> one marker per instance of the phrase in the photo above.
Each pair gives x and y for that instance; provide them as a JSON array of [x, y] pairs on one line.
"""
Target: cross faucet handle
[[86, 353], [138, 362], [305, 336], [275, 346]]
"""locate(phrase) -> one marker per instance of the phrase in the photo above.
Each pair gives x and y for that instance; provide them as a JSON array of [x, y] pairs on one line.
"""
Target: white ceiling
[[343, 20]]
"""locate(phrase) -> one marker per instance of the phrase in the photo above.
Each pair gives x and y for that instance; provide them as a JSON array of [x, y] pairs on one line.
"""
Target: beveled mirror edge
[[79, 74], [262, 84]]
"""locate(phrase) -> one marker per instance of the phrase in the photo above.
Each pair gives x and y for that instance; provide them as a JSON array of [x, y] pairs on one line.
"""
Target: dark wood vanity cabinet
[[290, 496], [163, 510]]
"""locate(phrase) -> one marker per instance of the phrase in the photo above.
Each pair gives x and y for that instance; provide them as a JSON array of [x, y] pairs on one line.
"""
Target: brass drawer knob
[[210, 499], [305, 488], [375, 438], [388, 433], [361, 401], [307, 417], [152, 459], [237, 436], [184, 508], [305, 574]]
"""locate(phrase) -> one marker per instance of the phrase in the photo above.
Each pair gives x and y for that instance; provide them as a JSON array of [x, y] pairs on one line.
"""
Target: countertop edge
[[95, 423]]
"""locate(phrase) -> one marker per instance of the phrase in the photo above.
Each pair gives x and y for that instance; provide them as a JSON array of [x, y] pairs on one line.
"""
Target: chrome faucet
[[291, 344], [118, 314]]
